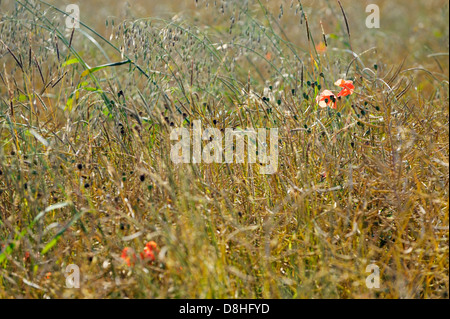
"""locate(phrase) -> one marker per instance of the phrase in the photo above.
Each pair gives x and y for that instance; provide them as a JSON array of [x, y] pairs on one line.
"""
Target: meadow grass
[[85, 168]]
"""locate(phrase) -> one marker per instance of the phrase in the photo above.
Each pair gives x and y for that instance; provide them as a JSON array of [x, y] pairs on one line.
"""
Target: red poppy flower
[[150, 249], [326, 98], [347, 87], [128, 256]]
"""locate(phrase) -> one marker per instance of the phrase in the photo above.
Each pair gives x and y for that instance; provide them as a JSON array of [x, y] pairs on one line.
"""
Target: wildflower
[[48, 275], [347, 87], [128, 256], [321, 47], [326, 98], [149, 251]]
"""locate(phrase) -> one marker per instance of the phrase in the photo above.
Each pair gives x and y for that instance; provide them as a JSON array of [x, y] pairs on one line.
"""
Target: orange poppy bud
[[321, 47]]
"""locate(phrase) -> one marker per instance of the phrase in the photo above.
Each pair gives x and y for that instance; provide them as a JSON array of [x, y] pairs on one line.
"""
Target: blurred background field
[[85, 170]]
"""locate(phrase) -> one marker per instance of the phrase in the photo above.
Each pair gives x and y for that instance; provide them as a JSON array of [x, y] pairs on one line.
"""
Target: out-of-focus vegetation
[[85, 167]]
